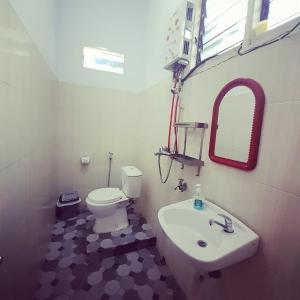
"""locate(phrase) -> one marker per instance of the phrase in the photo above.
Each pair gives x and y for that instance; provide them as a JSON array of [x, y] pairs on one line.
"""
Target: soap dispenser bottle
[[198, 197]]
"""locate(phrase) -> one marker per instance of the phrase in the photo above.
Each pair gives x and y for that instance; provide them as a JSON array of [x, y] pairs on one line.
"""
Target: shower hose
[[160, 173]]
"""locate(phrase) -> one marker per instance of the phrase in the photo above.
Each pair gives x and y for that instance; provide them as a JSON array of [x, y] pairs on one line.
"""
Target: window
[[103, 60], [223, 26], [278, 12]]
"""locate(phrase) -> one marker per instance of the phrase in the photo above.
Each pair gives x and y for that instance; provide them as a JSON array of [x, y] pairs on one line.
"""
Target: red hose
[[171, 116], [175, 128]]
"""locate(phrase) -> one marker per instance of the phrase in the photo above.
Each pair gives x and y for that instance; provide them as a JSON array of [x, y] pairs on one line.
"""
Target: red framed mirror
[[236, 124]]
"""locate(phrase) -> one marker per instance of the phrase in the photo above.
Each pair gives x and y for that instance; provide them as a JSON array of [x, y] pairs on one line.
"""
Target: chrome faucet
[[182, 186], [227, 227], [162, 151]]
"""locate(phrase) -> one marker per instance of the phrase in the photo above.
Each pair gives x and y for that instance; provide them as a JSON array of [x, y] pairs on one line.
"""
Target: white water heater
[[179, 36]]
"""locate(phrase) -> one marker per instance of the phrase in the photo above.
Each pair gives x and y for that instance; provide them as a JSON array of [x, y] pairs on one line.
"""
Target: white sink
[[185, 226]]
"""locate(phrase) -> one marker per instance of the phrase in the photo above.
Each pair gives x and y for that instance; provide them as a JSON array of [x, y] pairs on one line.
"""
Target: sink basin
[[210, 247]]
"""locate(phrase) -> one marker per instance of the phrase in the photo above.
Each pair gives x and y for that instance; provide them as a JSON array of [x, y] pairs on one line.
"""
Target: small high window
[[103, 60]]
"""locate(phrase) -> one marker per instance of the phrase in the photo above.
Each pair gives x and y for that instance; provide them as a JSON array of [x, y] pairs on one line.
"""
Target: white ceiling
[[136, 28]]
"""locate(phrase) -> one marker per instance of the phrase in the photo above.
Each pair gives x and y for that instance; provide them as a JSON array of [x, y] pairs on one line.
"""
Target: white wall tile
[[95, 121], [28, 97]]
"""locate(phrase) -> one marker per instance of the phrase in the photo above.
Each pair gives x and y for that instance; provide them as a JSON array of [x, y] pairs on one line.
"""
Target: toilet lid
[[105, 195]]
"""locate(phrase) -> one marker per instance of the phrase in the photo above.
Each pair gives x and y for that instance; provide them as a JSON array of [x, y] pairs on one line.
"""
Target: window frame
[[274, 32], [91, 52], [202, 22], [251, 38]]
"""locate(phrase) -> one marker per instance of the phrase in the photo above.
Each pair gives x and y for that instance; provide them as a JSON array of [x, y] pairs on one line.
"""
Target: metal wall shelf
[[183, 158], [187, 160], [191, 125]]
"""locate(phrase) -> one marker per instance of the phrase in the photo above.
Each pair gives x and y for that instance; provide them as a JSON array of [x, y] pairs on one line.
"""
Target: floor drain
[[202, 244]]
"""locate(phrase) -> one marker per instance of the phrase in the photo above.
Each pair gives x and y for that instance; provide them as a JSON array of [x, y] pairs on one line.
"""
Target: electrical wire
[[189, 74], [240, 53]]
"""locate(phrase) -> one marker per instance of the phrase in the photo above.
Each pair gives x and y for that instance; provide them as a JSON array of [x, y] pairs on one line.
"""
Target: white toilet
[[108, 205]]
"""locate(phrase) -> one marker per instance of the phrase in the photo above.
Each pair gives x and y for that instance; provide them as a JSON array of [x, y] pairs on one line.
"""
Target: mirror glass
[[234, 126]]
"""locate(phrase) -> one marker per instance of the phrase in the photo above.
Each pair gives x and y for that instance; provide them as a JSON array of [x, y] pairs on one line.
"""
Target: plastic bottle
[[198, 197]]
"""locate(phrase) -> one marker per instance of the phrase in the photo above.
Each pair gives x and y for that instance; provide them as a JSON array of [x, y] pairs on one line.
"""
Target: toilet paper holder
[[85, 160]]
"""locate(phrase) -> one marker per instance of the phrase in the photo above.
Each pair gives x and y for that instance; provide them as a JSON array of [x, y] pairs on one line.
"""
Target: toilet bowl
[[108, 205]]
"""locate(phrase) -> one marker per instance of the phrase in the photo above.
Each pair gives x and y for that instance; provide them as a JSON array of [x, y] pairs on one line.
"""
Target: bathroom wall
[[95, 121], [28, 96], [41, 27], [266, 199], [98, 110]]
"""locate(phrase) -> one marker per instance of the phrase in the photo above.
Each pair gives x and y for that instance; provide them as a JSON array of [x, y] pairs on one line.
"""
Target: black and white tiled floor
[[120, 265]]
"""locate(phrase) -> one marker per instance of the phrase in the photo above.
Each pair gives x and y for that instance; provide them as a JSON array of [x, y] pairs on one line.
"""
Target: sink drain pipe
[[217, 274]]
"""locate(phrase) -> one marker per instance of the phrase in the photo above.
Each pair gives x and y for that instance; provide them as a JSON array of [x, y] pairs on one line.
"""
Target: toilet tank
[[131, 181]]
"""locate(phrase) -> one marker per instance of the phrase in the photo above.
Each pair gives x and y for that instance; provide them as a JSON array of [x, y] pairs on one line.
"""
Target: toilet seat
[[105, 196]]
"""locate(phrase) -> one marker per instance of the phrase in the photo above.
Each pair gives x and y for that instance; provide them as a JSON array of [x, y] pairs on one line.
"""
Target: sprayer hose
[[160, 173]]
